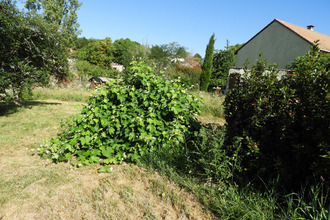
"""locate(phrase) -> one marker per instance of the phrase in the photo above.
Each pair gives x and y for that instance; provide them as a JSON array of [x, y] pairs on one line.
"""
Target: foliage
[[127, 120], [196, 172], [81, 42], [284, 123], [161, 55], [197, 57], [59, 13], [125, 51], [210, 158], [31, 50], [85, 70], [222, 60], [98, 52], [207, 65], [188, 73], [171, 50]]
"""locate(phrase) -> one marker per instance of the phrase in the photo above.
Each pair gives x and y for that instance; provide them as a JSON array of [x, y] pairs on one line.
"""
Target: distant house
[[95, 81], [118, 67], [281, 42]]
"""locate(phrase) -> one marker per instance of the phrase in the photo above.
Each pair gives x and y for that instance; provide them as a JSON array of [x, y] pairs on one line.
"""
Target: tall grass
[[76, 93], [225, 199], [213, 104]]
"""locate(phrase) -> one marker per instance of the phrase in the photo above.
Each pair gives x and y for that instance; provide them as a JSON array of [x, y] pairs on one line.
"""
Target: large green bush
[[127, 120], [284, 123]]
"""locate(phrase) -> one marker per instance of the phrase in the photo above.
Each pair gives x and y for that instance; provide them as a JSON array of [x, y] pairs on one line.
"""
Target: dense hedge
[[284, 123]]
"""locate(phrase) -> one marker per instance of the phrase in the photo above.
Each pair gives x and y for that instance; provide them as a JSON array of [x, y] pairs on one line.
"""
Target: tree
[[98, 52], [60, 13], [81, 42], [207, 65], [198, 58], [30, 51], [222, 60], [61, 17], [124, 51]]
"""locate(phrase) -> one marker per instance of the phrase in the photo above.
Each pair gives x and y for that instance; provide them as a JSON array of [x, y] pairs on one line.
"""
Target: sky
[[191, 23]]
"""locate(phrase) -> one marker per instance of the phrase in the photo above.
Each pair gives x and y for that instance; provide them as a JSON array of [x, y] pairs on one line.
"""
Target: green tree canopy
[[124, 51], [198, 57], [81, 42], [30, 51], [60, 13], [222, 61], [98, 52]]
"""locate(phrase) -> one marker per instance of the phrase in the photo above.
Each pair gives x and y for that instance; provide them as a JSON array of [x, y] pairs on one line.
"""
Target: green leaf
[[111, 130], [104, 169], [107, 152], [82, 140]]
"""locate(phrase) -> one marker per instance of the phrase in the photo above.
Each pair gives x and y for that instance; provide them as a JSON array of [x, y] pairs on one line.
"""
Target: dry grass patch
[[35, 188]]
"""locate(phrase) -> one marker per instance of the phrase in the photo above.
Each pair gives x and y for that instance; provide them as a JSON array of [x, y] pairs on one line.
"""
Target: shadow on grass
[[7, 108]]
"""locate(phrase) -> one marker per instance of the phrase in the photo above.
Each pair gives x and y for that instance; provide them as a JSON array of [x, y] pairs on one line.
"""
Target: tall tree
[[61, 16], [60, 13], [207, 65]]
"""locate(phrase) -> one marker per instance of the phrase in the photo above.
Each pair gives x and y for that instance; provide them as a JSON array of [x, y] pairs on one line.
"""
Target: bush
[[284, 123], [210, 158], [127, 120]]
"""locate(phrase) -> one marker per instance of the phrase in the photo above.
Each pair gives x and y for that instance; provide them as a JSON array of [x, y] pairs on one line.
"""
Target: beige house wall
[[278, 45]]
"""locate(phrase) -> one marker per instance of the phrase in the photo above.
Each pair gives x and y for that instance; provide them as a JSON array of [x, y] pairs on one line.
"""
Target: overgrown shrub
[[127, 120], [209, 157], [284, 123]]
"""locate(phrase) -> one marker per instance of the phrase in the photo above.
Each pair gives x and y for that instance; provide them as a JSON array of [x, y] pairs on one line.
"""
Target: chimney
[[310, 27]]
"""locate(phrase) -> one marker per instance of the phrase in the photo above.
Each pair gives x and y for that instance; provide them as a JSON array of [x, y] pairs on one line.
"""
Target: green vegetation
[[284, 124], [32, 49], [207, 65], [76, 94], [127, 120], [260, 152], [222, 61], [204, 167], [31, 187]]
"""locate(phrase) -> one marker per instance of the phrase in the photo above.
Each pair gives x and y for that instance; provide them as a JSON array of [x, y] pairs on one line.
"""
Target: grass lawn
[[35, 188]]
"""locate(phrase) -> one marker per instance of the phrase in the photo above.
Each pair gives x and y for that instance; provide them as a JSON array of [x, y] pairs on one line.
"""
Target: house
[[117, 66], [281, 42], [95, 81]]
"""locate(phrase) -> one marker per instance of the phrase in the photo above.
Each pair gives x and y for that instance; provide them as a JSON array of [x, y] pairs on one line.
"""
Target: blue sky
[[191, 23]]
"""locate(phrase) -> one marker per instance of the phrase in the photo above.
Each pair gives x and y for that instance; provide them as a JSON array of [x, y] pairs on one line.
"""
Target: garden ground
[[35, 188]]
